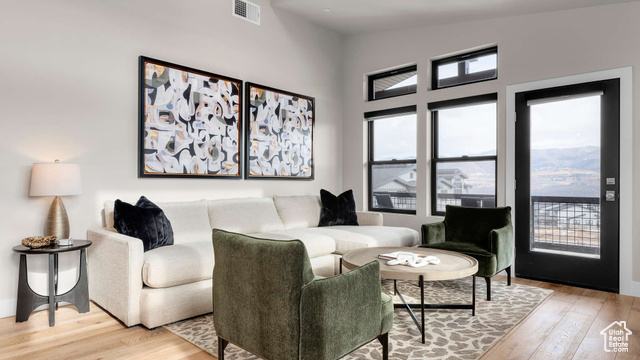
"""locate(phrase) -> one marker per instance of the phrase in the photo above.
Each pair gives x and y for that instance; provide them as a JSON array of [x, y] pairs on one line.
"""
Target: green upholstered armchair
[[267, 301], [485, 234]]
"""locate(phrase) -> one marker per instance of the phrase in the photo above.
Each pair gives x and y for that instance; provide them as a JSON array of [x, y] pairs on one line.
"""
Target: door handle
[[610, 195]]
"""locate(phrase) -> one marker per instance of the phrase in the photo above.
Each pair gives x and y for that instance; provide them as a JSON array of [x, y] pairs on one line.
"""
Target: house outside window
[[393, 83]]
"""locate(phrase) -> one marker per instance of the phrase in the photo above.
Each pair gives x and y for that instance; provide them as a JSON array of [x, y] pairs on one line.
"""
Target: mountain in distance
[[554, 172], [566, 172]]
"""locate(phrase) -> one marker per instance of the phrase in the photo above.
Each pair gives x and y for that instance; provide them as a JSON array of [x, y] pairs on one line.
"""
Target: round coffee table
[[452, 266]]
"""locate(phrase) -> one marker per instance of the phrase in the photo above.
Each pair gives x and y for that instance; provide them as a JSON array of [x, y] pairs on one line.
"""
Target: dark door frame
[[599, 273]]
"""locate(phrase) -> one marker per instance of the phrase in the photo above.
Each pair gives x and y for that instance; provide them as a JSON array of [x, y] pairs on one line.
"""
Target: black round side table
[[29, 300]]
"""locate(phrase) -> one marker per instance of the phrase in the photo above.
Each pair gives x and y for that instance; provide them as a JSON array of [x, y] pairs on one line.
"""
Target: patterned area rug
[[451, 334]]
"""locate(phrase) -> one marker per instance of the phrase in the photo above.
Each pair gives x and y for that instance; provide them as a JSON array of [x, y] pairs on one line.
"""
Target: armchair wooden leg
[[222, 344], [384, 340], [508, 270], [488, 280]]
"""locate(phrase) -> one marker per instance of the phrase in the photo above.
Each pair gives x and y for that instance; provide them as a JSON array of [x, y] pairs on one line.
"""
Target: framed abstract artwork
[[190, 122], [279, 134]]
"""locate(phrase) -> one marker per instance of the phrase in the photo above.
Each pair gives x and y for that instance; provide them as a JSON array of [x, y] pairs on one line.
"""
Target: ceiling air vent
[[246, 10]]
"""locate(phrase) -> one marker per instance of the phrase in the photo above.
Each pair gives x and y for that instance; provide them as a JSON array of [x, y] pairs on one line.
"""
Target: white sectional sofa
[[172, 283]]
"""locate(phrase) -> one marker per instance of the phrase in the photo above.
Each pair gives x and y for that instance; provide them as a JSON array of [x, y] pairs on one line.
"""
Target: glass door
[[567, 155]]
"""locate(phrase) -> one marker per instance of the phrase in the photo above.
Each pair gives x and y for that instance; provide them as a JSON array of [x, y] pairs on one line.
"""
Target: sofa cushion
[[145, 221], [252, 215], [178, 264], [189, 220], [298, 212], [316, 244], [356, 237]]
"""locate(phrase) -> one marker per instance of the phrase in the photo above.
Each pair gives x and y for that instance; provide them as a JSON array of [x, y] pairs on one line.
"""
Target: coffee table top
[[452, 265]]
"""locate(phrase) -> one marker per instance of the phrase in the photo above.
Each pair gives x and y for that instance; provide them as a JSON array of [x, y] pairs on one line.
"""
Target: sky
[[395, 138], [471, 130], [468, 130], [566, 123]]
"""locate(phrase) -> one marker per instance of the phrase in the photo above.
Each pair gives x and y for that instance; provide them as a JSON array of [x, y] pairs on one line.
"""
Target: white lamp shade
[[55, 180]]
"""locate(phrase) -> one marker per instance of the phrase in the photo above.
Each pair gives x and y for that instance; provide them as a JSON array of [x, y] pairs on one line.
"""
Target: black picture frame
[[249, 140], [142, 171]]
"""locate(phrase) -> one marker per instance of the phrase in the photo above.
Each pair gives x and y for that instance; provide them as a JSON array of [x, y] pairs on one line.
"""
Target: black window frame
[[462, 76], [371, 117], [405, 90], [434, 107]]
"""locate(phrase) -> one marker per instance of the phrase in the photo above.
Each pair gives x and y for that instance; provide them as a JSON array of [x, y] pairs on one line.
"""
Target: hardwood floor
[[566, 326]]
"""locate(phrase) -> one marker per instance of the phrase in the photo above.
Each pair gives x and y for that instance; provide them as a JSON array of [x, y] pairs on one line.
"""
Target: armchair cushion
[[487, 261], [386, 313]]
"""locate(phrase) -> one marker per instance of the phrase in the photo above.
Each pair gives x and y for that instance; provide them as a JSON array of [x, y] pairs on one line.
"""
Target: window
[[464, 152], [467, 68], [392, 160], [393, 83]]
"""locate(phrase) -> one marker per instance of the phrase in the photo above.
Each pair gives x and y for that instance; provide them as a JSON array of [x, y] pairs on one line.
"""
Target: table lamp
[[56, 180]]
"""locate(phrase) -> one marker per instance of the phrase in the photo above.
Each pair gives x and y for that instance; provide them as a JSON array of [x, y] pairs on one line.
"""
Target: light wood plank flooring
[[566, 326]]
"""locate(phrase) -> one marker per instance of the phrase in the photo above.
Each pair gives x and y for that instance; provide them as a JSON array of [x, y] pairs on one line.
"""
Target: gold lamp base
[[57, 221]]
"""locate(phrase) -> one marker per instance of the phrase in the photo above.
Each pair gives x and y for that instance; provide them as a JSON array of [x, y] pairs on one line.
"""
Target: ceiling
[[358, 16]]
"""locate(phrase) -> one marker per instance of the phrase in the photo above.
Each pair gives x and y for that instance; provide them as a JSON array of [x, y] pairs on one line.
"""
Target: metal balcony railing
[[568, 224], [474, 200], [394, 200], [407, 200]]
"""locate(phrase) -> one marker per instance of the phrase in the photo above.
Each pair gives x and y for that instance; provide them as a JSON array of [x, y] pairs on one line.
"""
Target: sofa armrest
[[115, 273], [369, 218], [503, 245], [433, 233], [332, 307]]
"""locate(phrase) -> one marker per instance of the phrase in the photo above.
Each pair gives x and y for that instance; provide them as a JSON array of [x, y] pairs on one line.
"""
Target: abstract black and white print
[[280, 134], [191, 122]]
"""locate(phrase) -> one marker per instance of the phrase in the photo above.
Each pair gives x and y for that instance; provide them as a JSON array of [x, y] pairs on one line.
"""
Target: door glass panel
[[565, 176]]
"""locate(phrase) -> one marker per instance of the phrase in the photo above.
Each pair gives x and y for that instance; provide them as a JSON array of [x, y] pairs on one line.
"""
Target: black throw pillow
[[338, 210], [145, 221]]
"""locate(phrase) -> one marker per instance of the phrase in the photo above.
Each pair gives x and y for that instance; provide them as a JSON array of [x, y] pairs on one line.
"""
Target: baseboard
[[8, 308]]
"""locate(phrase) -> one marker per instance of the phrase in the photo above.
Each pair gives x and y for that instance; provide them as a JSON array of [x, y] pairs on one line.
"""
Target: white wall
[[532, 47], [69, 91]]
